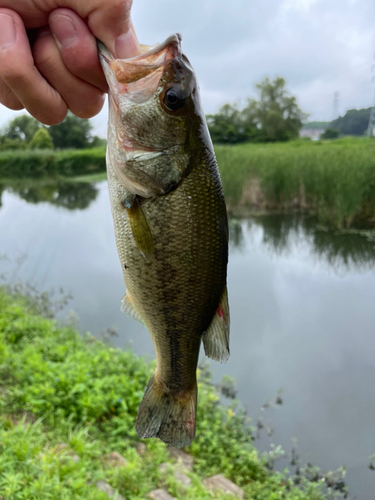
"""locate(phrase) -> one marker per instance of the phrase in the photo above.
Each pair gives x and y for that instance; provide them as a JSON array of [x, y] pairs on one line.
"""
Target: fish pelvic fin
[[167, 416], [140, 229], [216, 337]]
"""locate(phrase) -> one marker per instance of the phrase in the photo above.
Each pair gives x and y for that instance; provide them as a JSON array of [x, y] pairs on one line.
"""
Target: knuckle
[[45, 52], [55, 117], [8, 99], [11, 72], [79, 66], [88, 107]]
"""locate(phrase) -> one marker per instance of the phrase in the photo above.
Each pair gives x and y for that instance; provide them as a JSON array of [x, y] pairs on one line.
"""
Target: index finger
[[109, 20]]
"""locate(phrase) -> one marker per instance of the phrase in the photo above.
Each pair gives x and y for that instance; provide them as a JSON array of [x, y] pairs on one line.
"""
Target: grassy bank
[[332, 179], [59, 388], [47, 163]]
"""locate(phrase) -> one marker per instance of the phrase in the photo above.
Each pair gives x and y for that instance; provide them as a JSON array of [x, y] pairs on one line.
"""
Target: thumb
[[111, 23]]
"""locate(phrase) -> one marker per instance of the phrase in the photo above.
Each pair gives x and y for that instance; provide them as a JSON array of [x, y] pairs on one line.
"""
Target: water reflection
[[70, 195], [354, 250], [280, 233], [2, 189], [295, 324]]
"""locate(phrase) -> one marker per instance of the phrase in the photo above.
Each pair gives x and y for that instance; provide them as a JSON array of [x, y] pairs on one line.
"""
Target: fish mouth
[[139, 76]]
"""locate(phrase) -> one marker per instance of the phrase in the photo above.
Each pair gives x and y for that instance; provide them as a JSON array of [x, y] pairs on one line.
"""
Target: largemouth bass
[[170, 226]]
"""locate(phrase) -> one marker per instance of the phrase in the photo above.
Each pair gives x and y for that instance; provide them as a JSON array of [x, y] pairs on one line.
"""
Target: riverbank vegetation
[[334, 180], [68, 402], [38, 164]]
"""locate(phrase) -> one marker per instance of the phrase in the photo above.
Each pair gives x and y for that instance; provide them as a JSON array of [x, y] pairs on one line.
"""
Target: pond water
[[302, 313]]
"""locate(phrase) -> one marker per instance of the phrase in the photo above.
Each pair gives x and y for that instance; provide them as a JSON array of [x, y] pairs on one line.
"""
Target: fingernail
[[7, 32], [64, 30], [126, 45], [44, 32]]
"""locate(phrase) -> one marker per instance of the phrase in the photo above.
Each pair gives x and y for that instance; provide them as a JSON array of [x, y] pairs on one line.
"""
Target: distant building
[[313, 133]]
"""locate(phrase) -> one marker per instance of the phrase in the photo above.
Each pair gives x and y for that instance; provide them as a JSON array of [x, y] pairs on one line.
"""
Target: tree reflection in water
[[352, 250], [70, 195], [2, 189]]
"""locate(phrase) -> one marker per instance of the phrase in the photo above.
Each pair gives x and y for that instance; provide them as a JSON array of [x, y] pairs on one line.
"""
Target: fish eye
[[173, 99]]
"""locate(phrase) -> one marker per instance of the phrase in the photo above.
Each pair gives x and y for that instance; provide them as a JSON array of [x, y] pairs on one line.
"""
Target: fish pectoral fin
[[156, 173], [170, 417], [140, 229], [216, 337], [128, 308]]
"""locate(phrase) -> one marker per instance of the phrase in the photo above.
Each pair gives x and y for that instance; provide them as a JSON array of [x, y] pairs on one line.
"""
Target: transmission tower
[[336, 100]]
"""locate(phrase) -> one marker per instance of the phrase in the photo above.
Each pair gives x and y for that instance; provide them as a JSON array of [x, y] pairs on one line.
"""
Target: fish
[[170, 225]]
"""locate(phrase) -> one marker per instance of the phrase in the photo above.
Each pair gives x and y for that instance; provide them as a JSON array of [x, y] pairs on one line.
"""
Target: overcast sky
[[319, 46]]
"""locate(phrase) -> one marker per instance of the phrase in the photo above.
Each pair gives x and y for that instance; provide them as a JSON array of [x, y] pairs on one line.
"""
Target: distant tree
[[21, 128], [315, 125], [7, 144], [354, 122], [330, 133], [41, 140], [73, 132], [98, 142], [276, 116], [227, 125]]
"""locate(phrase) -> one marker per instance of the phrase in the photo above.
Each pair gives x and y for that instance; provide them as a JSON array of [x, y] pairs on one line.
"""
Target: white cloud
[[319, 47]]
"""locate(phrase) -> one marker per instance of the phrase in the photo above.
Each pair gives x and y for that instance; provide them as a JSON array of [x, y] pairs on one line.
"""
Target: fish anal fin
[[140, 229], [216, 337], [128, 308], [167, 416]]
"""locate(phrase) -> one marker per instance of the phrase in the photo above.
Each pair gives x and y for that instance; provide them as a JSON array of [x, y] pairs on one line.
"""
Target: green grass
[[57, 387], [332, 179], [89, 178], [48, 163]]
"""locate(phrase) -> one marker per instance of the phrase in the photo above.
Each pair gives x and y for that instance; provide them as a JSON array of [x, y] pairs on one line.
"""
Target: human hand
[[48, 56]]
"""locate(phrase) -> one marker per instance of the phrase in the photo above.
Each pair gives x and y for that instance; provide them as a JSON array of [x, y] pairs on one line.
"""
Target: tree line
[[274, 116], [25, 132], [354, 122]]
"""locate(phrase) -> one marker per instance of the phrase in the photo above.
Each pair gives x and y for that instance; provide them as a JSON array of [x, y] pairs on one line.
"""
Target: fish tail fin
[[168, 416]]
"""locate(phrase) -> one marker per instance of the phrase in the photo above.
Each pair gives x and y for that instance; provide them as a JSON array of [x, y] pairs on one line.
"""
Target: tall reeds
[[335, 180]]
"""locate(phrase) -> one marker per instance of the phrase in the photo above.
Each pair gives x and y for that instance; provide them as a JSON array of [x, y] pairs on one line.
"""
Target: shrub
[[41, 140], [47, 163], [58, 387]]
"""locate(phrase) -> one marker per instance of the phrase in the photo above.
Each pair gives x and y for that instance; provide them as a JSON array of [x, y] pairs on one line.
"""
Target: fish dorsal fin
[[140, 229], [128, 308], [216, 337]]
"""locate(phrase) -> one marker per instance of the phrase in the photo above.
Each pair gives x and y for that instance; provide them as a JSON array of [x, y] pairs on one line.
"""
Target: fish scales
[[172, 241]]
